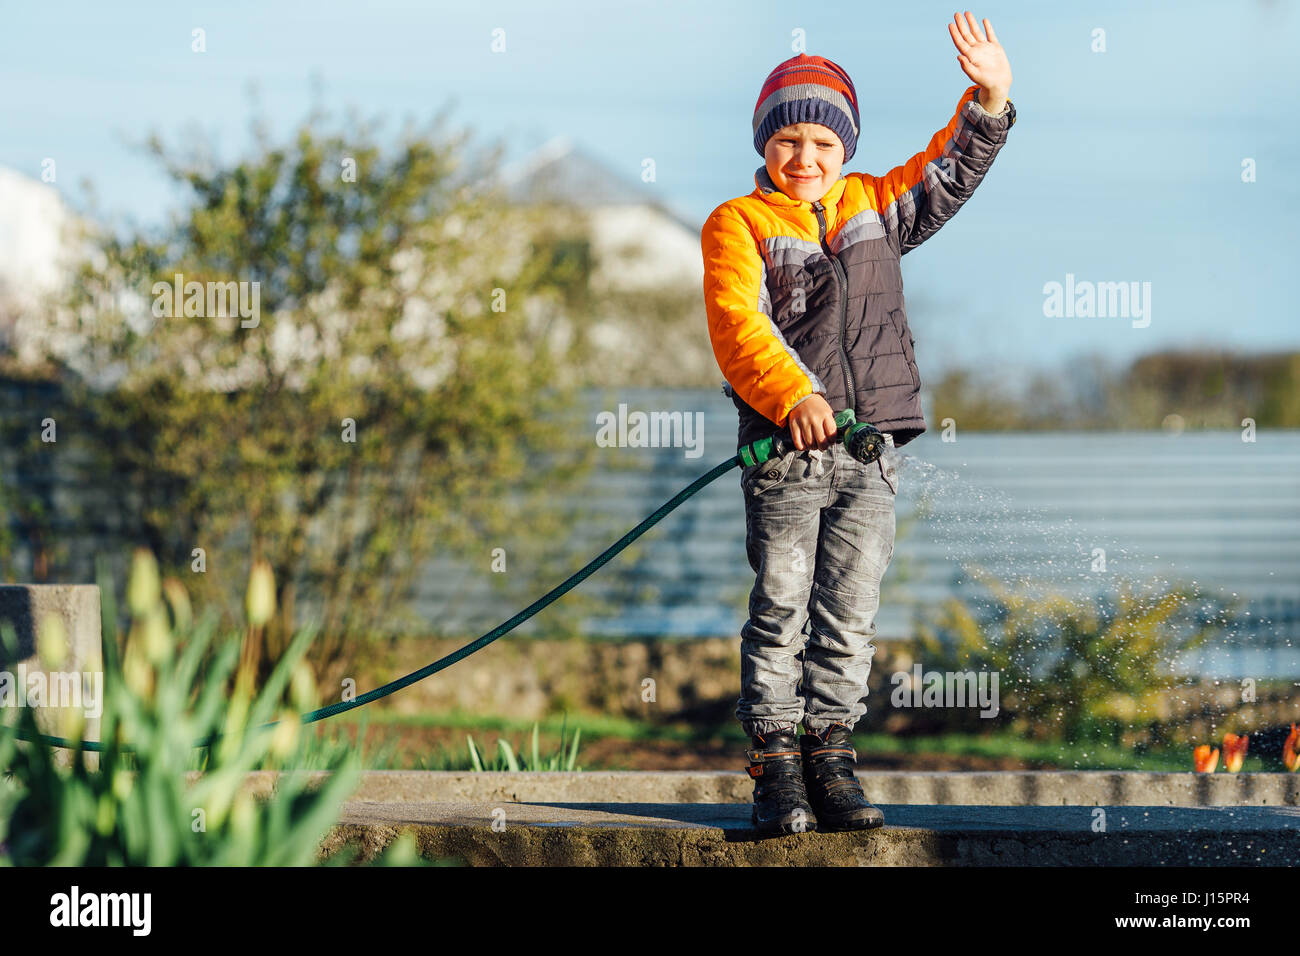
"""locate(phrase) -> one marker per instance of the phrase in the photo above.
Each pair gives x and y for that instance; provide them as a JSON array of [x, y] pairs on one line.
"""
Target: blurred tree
[[415, 338], [976, 399], [1216, 389], [1207, 389]]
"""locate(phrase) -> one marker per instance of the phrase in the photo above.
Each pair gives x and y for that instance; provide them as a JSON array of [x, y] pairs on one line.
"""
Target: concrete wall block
[[76, 682]]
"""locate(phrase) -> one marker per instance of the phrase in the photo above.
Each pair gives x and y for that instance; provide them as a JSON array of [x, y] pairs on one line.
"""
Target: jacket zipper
[[851, 392]]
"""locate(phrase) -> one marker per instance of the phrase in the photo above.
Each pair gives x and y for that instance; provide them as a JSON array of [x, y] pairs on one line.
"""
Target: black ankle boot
[[780, 798], [833, 790]]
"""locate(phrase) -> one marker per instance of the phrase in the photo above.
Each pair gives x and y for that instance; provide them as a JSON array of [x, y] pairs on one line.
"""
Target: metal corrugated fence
[[1065, 512], [1073, 512]]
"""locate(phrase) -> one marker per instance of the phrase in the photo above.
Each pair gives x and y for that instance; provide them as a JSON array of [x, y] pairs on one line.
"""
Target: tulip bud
[[137, 671], [1205, 758], [179, 600], [1234, 751], [302, 687], [143, 589], [285, 735], [156, 636], [123, 783], [260, 601], [72, 721]]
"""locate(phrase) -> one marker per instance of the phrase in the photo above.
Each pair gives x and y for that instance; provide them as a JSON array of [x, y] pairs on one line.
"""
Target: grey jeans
[[819, 534]]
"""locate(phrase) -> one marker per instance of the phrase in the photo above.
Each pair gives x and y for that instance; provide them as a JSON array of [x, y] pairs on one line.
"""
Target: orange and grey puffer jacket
[[806, 297]]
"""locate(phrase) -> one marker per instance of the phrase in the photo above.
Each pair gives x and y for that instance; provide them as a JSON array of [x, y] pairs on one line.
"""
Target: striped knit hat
[[807, 89]]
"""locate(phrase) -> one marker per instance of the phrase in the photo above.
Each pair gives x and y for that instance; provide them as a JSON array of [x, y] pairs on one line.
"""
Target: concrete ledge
[[1008, 788], [686, 818], [592, 834]]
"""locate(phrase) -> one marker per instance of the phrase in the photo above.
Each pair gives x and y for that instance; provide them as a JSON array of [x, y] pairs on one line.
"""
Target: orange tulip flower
[[1205, 758], [1234, 751], [1290, 759]]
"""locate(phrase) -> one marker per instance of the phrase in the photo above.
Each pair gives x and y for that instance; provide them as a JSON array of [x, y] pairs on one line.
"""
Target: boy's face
[[804, 160]]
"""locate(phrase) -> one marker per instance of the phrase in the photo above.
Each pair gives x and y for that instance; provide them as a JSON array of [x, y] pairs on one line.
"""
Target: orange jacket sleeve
[[753, 355]]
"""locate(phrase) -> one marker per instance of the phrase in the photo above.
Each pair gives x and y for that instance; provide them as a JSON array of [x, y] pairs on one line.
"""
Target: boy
[[804, 298]]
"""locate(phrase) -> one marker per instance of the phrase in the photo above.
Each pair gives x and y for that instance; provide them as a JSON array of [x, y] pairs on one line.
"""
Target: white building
[[34, 225], [639, 244]]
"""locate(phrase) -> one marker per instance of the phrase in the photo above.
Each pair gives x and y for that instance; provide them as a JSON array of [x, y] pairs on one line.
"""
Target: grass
[[565, 758], [1078, 756], [623, 728]]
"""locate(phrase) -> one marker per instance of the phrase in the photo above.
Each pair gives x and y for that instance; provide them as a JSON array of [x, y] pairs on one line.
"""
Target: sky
[[1125, 164]]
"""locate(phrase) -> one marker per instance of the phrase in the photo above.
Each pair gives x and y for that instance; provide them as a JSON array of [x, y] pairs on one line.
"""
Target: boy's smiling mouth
[[805, 186]]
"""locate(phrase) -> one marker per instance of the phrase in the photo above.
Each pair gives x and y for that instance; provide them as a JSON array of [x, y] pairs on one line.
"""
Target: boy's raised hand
[[982, 59]]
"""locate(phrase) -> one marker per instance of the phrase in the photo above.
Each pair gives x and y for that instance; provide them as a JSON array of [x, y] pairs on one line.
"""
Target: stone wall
[[697, 681]]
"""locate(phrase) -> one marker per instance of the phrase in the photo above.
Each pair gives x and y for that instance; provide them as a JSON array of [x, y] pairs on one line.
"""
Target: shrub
[[1068, 668]]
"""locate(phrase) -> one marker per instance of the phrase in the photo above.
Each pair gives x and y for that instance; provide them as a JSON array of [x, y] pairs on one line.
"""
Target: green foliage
[[1069, 669], [564, 758], [132, 804], [404, 297]]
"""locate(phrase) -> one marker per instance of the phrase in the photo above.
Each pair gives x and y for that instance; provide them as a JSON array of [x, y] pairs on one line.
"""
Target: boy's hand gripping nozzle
[[864, 441]]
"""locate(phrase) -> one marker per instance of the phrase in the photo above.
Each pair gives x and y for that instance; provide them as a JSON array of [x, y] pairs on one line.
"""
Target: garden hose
[[862, 440]]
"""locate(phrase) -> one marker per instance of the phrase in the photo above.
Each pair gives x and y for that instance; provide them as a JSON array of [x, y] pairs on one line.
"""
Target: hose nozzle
[[863, 440]]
